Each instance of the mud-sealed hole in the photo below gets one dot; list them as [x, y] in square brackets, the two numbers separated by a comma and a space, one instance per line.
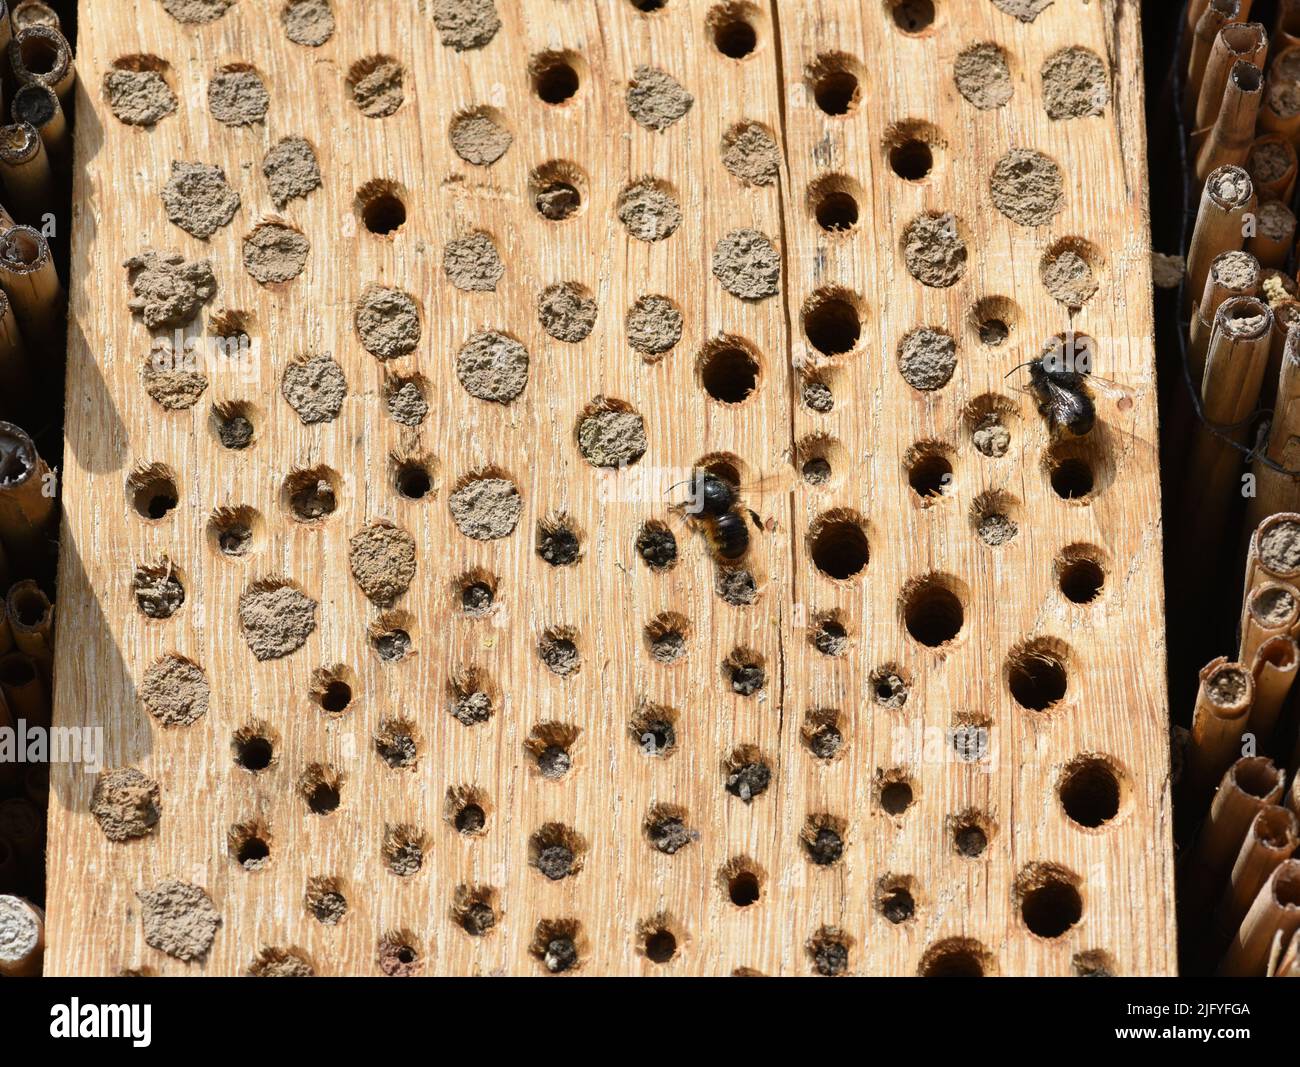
[253, 746]
[995, 517]
[890, 686]
[413, 477]
[397, 743]
[933, 607]
[159, 589]
[473, 696]
[1069, 270]
[232, 423]
[838, 545]
[832, 321]
[559, 945]
[552, 748]
[390, 636]
[321, 788]
[834, 201]
[1093, 790]
[398, 954]
[1093, 963]
[1037, 673]
[475, 592]
[895, 791]
[994, 320]
[249, 844]
[956, 957]
[741, 880]
[557, 851]
[381, 206]
[747, 773]
[829, 633]
[325, 900]
[1080, 573]
[275, 962]
[559, 650]
[667, 828]
[376, 85]
[829, 951]
[895, 898]
[403, 848]
[556, 76]
[666, 636]
[557, 190]
[745, 671]
[929, 470]
[734, 28]
[310, 495]
[970, 832]
[822, 733]
[331, 688]
[1049, 899]
[559, 540]
[152, 491]
[835, 81]
[990, 419]
[475, 909]
[729, 369]
[818, 458]
[654, 729]
[232, 530]
[656, 544]
[660, 938]
[823, 838]
[467, 809]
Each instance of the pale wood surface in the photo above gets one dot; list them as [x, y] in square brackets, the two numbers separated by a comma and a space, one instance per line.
[1116, 701]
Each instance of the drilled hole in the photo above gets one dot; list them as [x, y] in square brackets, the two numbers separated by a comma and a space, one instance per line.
[839, 546]
[1036, 675]
[557, 190]
[1050, 904]
[153, 493]
[253, 750]
[958, 958]
[896, 796]
[835, 85]
[832, 324]
[742, 889]
[912, 16]
[383, 213]
[555, 79]
[311, 495]
[836, 211]
[911, 159]
[321, 788]
[1080, 577]
[930, 472]
[1091, 792]
[728, 372]
[894, 899]
[733, 33]
[1072, 477]
[660, 945]
[933, 611]
[413, 480]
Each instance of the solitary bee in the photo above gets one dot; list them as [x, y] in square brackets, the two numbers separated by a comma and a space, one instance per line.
[1059, 378]
[716, 507]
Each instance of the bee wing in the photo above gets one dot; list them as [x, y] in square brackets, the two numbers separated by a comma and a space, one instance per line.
[768, 484]
[1107, 387]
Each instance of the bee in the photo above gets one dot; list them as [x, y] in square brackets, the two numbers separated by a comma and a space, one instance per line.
[1060, 379]
[716, 508]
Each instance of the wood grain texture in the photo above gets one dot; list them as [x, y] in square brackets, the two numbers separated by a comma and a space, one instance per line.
[1115, 704]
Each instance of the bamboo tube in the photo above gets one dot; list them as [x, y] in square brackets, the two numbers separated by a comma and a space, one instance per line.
[1272, 166]
[36, 784]
[1233, 131]
[1280, 110]
[1274, 671]
[33, 13]
[1275, 285]
[31, 620]
[1234, 371]
[1274, 234]
[1271, 610]
[24, 690]
[1274, 491]
[1222, 710]
[37, 105]
[17, 385]
[26, 512]
[1234, 273]
[22, 937]
[1211, 18]
[1286, 317]
[1274, 551]
[1286, 28]
[1276, 908]
[1226, 200]
[42, 54]
[27, 274]
[1236, 42]
[25, 167]
[1271, 840]
[1288, 958]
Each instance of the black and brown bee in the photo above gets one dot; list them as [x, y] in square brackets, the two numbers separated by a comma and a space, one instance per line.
[716, 509]
[1060, 379]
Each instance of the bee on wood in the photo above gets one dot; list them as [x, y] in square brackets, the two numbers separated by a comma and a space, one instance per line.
[1060, 379]
[715, 508]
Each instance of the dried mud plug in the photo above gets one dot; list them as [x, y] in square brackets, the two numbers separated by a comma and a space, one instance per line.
[166, 290]
[179, 919]
[126, 803]
[276, 618]
[382, 558]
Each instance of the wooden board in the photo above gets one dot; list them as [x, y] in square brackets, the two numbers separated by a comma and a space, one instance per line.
[968, 911]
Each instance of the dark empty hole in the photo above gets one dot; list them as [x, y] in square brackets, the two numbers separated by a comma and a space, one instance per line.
[557, 199]
[336, 696]
[234, 538]
[1081, 580]
[930, 474]
[896, 797]
[897, 905]
[743, 889]
[658, 738]
[993, 331]
[649, 5]
[470, 819]
[414, 481]
[911, 159]
[383, 213]
[17, 673]
[30, 608]
[934, 615]
[840, 549]
[39, 55]
[660, 946]
[955, 965]
[735, 37]
[1072, 478]
[1050, 910]
[971, 840]
[556, 82]
[324, 798]
[405, 954]
[729, 375]
[252, 852]
[836, 91]
[1036, 680]
[837, 211]
[833, 327]
[155, 499]
[913, 16]
[1090, 795]
[254, 753]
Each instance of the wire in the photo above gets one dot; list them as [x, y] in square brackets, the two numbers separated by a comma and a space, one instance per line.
[1220, 430]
